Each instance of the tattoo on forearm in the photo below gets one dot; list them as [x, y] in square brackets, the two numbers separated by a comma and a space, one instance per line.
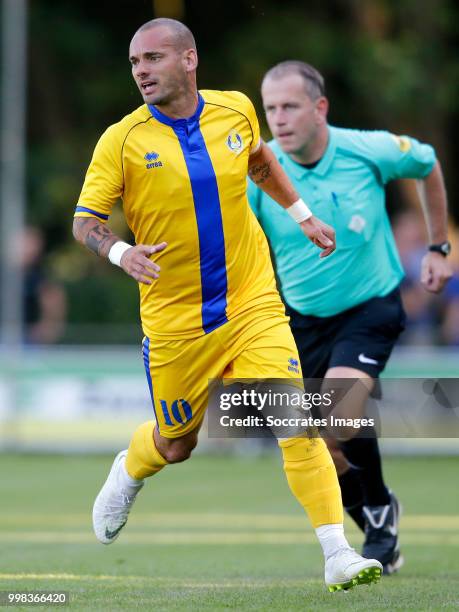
[95, 236]
[260, 174]
[98, 239]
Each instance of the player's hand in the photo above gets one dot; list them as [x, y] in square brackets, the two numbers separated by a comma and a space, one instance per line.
[137, 263]
[435, 271]
[320, 234]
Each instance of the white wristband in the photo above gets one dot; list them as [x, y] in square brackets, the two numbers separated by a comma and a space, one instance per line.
[116, 252]
[299, 211]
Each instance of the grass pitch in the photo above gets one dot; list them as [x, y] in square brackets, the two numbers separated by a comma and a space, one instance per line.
[212, 534]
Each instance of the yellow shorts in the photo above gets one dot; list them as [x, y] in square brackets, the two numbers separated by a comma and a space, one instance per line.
[257, 344]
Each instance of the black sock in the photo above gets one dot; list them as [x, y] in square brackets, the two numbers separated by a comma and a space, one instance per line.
[363, 453]
[352, 495]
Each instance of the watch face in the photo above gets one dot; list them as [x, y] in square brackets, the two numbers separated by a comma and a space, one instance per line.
[445, 248]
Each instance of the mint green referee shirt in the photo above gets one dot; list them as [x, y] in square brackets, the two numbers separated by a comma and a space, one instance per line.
[345, 190]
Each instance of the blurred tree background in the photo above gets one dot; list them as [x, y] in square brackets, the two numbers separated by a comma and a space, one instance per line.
[388, 64]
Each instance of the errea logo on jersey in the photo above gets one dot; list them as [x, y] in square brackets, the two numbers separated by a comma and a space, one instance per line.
[293, 365]
[235, 142]
[152, 159]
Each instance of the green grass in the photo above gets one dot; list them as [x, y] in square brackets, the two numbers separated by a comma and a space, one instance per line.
[212, 534]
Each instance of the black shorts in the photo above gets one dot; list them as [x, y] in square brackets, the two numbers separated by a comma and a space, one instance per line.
[361, 337]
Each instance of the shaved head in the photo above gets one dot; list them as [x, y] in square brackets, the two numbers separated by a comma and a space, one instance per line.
[163, 60]
[182, 38]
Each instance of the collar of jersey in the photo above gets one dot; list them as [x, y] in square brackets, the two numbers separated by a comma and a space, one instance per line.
[181, 121]
[322, 167]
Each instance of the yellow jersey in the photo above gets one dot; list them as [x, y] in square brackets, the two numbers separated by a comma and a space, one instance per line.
[183, 181]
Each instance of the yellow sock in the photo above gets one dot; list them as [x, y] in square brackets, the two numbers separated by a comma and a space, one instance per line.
[143, 458]
[312, 478]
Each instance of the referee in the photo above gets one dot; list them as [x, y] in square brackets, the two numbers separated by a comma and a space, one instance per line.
[345, 311]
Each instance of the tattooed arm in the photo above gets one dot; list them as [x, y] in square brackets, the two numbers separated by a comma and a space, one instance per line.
[136, 262]
[94, 235]
[266, 172]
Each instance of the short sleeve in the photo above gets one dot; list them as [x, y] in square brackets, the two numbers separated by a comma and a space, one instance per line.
[397, 156]
[254, 196]
[252, 118]
[104, 182]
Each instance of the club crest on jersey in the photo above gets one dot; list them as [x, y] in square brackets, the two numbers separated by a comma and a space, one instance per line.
[152, 159]
[234, 142]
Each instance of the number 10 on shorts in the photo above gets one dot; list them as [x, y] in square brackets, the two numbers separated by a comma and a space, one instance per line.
[180, 411]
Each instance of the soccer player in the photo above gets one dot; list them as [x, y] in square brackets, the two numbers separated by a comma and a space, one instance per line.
[180, 163]
[345, 311]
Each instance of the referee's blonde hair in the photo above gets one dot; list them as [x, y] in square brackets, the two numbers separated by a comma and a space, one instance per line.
[314, 81]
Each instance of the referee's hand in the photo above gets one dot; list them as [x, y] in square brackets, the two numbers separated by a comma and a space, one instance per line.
[435, 272]
[320, 234]
[137, 263]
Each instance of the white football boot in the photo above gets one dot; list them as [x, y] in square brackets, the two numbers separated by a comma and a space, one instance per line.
[114, 502]
[347, 569]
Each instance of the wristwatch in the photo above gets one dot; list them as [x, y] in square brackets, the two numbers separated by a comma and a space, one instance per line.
[444, 248]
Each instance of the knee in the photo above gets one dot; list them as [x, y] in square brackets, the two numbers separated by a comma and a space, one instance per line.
[340, 461]
[179, 451]
[177, 454]
[346, 434]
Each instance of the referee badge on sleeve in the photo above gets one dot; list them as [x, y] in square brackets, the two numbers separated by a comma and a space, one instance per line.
[403, 143]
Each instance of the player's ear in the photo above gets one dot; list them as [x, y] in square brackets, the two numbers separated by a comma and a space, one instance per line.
[321, 110]
[190, 60]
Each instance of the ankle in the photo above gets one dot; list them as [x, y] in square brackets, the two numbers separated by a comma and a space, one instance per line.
[332, 539]
[130, 484]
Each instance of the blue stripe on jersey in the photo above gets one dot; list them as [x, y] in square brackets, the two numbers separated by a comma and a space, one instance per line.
[93, 212]
[214, 283]
[146, 362]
